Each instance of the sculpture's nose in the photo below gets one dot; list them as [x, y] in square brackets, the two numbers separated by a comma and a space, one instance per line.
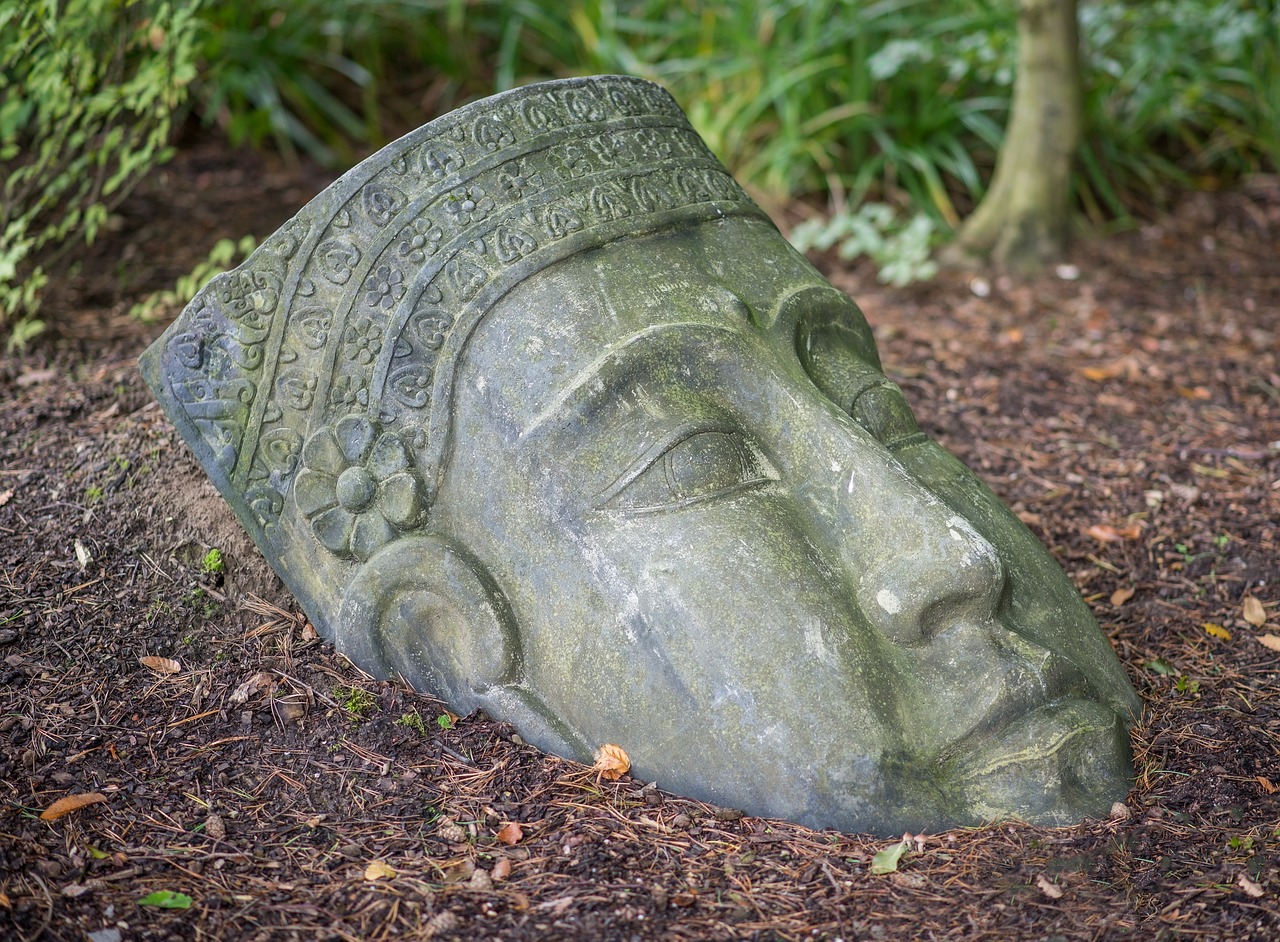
[939, 573]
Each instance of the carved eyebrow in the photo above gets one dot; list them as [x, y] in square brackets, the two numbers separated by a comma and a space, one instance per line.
[639, 348]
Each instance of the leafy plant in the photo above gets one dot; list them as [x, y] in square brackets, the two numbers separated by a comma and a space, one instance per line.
[166, 899]
[413, 720]
[354, 700]
[88, 94]
[213, 564]
[900, 250]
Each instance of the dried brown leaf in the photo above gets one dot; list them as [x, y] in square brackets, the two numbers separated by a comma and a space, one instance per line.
[379, 870]
[251, 686]
[1253, 612]
[1249, 886]
[161, 665]
[611, 762]
[1048, 888]
[1120, 596]
[501, 869]
[1266, 785]
[510, 834]
[1270, 641]
[69, 803]
[457, 871]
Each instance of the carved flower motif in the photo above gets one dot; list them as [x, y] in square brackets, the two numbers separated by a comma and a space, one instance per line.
[424, 241]
[349, 391]
[384, 287]
[362, 340]
[468, 204]
[520, 179]
[358, 488]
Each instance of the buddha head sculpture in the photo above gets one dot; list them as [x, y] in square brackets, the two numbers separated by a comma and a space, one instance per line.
[536, 410]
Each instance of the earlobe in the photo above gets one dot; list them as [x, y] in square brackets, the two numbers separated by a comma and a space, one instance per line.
[424, 609]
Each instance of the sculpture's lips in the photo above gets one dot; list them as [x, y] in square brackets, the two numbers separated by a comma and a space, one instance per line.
[1062, 761]
[1027, 686]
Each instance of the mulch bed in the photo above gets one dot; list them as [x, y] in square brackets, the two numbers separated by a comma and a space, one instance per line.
[1128, 408]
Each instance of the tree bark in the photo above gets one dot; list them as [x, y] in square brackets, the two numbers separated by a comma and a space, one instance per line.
[1024, 219]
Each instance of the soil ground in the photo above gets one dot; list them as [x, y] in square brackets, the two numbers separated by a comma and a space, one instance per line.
[1129, 412]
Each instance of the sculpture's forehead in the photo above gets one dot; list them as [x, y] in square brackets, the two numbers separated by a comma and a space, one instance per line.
[692, 291]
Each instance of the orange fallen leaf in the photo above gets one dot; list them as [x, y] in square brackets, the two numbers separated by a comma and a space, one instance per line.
[1270, 641]
[1108, 534]
[1193, 392]
[1266, 785]
[69, 803]
[685, 898]
[611, 762]
[161, 665]
[1216, 631]
[501, 869]
[1120, 596]
[510, 834]
[1253, 612]
[1097, 373]
[379, 870]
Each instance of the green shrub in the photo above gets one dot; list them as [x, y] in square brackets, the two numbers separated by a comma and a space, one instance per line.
[90, 90]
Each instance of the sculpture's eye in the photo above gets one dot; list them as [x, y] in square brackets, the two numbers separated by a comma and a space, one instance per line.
[693, 466]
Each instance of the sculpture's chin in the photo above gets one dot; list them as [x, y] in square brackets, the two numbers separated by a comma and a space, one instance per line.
[1064, 761]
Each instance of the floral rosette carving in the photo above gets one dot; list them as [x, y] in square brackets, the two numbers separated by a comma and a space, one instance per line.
[358, 488]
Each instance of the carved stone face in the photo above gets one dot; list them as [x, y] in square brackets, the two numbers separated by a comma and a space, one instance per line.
[535, 410]
[726, 547]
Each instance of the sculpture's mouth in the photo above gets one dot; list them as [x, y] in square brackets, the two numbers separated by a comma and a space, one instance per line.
[1036, 679]
[1059, 762]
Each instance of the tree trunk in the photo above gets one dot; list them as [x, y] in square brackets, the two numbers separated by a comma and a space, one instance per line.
[1024, 219]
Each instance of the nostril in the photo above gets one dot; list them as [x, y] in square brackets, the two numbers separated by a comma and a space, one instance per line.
[952, 579]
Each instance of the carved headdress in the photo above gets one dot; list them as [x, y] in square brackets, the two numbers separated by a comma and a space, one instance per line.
[314, 381]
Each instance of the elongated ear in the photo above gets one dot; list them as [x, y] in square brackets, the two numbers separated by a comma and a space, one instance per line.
[837, 350]
[425, 610]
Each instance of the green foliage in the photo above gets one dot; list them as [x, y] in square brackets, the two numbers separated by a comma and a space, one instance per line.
[901, 102]
[355, 701]
[213, 564]
[89, 91]
[899, 249]
[413, 720]
[1179, 93]
[166, 899]
[224, 255]
[886, 860]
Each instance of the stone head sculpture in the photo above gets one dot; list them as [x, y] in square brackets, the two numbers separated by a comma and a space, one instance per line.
[538, 411]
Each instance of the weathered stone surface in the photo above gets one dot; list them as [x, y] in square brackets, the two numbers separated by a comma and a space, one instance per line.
[537, 410]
